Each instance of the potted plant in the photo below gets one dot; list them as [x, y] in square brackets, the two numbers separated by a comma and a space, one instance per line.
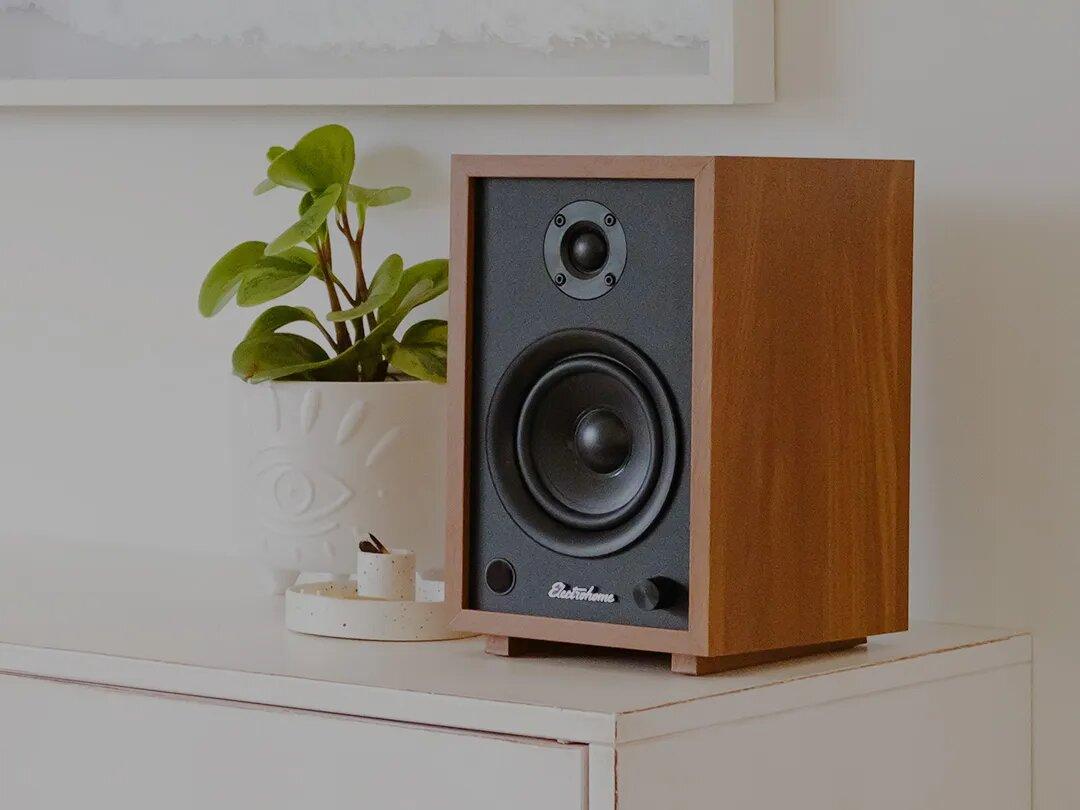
[338, 436]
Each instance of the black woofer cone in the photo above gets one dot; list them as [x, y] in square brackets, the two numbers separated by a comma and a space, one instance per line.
[602, 441]
[558, 462]
[581, 442]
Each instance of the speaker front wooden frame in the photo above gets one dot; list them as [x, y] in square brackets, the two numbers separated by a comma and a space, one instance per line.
[863, 212]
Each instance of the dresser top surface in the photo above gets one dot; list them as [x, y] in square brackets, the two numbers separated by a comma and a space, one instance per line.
[198, 625]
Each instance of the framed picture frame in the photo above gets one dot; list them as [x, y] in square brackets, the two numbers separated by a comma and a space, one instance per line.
[49, 61]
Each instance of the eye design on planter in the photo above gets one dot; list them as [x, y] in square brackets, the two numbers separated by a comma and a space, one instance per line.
[295, 499]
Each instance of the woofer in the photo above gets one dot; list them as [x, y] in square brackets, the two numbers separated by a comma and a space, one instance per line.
[582, 442]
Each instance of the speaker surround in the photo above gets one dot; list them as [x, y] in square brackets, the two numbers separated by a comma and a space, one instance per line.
[703, 454]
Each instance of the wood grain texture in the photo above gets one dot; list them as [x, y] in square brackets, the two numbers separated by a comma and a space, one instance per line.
[619, 167]
[811, 374]
[710, 665]
[704, 602]
[507, 646]
[459, 390]
[543, 628]
[800, 401]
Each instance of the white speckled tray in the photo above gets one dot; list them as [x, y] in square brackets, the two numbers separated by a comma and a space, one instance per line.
[334, 609]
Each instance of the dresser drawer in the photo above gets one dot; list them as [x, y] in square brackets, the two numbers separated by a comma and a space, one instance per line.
[76, 745]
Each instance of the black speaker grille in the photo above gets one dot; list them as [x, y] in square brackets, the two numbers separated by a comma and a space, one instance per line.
[516, 304]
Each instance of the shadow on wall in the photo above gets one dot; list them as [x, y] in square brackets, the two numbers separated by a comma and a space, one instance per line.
[387, 164]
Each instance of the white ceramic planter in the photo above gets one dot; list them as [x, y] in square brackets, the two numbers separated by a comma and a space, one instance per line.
[319, 465]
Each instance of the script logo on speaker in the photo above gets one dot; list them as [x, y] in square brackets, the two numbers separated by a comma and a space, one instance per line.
[560, 590]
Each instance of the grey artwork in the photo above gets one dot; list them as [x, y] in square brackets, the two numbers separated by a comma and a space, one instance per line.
[334, 38]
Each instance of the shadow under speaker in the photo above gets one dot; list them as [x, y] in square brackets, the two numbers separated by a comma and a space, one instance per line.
[679, 403]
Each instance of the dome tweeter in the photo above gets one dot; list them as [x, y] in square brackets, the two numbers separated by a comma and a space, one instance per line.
[585, 250]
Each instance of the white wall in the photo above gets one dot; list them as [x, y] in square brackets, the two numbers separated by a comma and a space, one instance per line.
[113, 391]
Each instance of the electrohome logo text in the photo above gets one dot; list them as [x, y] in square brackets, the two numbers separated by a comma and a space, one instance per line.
[560, 590]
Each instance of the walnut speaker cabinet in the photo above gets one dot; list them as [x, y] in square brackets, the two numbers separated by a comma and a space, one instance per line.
[679, 403]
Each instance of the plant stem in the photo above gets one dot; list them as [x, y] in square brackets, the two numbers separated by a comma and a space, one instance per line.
[358, 257]
[345, 291]
[372, 322]
[327, 335]
[326, 261]
[358, 261]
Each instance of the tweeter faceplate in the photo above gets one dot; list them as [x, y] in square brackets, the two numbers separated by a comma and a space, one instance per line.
[585, 250]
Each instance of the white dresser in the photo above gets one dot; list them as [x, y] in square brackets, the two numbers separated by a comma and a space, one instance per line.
[133, 679]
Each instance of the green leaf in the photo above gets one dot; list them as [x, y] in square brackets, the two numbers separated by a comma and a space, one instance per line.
[275, 355]
[301, 254]
[436, 271]
[343, 368]
[422, 351]
[312, 218]
[386, 327]
[320, 235]
[276, 317]
[271, 278]
[380, 340]
[383, 285]
[224, 277]
[375, 197]
[432, 332]
[322, 158]
[267, 357]
[264, 186]
[420, 363]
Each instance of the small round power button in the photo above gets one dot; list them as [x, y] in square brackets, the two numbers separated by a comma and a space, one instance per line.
[500, 576]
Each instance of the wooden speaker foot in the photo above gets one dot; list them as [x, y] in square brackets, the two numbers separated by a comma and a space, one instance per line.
[506, 646]
[704, 665]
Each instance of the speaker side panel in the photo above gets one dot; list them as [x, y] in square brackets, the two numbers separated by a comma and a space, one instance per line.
[811, 382]
[514, 304]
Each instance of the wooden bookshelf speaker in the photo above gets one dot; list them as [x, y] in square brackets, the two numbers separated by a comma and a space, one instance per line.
[679, 403]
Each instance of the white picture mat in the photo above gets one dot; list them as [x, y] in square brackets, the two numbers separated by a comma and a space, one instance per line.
[46, 62]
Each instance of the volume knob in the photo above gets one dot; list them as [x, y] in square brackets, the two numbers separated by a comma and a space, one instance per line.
[656, 593]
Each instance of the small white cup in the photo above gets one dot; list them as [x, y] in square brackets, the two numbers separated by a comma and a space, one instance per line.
[386, 576]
